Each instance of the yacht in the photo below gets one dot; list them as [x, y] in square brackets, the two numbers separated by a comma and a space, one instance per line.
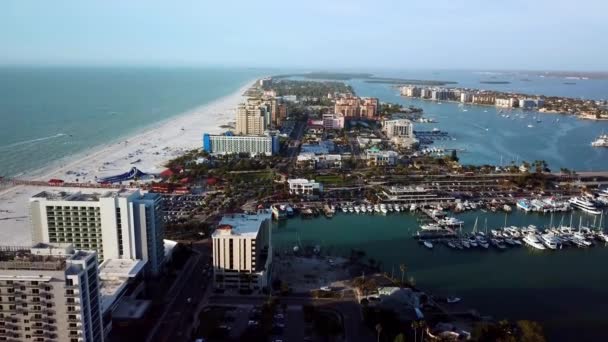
[524, 205]
[377, 208]
[584, 205]
[363, 209]
[370, 209]
[601, 141]
[482, 242]
[550, 240]
[357, 209]
[344, 209]
[413, 207]
[428, 244]
[451, 221]
[383, 209]
[532, 241]
[397, 208]
[431, 227]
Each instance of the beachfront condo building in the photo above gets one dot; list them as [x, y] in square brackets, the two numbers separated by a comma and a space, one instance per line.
[250, 144]
[400, 132]
[49, 292]
[118, 224]
[253, 117]
[242, 251]
[356, 107]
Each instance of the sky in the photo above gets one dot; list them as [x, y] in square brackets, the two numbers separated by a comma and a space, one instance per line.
[336, 34]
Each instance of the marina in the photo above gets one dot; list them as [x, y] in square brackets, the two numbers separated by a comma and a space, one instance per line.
[509, 276]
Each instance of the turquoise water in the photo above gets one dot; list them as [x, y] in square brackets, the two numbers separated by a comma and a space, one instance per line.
[564, 289]
[50, 113]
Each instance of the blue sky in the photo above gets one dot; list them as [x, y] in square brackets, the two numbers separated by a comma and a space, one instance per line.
[411, 34]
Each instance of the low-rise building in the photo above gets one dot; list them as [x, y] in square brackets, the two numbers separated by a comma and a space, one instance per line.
[333, 121]
[234, 144]
[301, 186]
[242, 251]
[319, 161]
[377, 157]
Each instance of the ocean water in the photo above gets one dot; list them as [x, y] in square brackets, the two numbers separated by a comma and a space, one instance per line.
[564, 289]
[50, 113]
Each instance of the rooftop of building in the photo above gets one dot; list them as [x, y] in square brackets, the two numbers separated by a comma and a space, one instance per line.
[301, 181]
[114, 276]
[247, 225]
[47, 257]
[82, 196]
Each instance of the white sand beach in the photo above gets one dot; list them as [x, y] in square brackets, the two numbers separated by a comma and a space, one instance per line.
[148, 150]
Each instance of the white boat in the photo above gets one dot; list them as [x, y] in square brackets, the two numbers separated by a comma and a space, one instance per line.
[363, 209]
[383, 209]
[428, 244]
[451, 221]
[376, 208]
[601, 141]
[357, 209]
[397, 208]
[351, 210]
[532, 241]
[584, 205]
[389, 207]
[550, 240]
[452, 300]
[344, 209]
[431, 227]
[451, 244]
[413, 207]
[370, 209]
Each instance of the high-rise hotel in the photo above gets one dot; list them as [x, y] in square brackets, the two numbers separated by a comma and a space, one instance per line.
[242, 252]
[122, 224]
[49, 293]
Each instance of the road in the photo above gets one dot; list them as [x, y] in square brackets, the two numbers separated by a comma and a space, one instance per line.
[176, 324]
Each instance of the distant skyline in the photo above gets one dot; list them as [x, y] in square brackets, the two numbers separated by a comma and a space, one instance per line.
[315, 34]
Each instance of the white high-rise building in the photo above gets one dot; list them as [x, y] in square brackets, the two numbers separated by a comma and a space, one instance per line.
[49, 293]
[400, 131]
[242, 251]
[121, 224]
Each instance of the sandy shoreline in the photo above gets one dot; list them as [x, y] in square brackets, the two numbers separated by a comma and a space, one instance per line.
[147, 149]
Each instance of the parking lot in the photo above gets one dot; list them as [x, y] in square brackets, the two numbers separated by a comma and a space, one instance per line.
[255, 323]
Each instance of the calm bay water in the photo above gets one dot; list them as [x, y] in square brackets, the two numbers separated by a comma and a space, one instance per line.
[50, 113]
[489, 138]
[564, 289]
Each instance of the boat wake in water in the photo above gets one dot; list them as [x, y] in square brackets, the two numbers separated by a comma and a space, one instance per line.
[26, 142]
